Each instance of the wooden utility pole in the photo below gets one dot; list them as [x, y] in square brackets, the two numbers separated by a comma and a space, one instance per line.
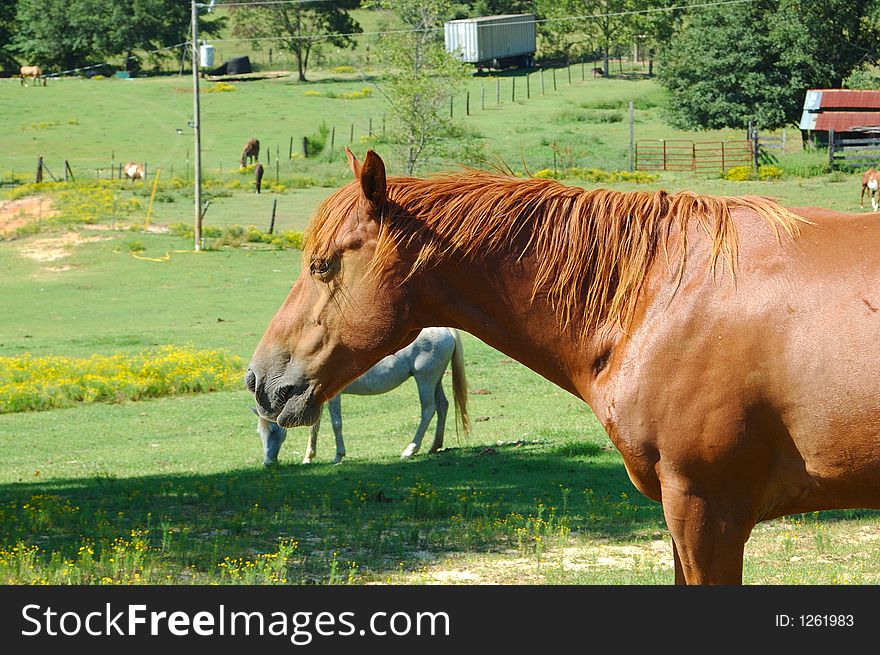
[197, 191]
[632, 122]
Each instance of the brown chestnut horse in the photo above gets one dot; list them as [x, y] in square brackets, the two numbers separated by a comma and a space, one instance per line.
[728, 346]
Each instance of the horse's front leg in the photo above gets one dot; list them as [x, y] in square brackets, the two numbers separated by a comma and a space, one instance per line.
[334, 405]
[709, 534]
[426, 398]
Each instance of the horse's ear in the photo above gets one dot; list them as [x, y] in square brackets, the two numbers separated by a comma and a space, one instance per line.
[373, 178]
[353, 163]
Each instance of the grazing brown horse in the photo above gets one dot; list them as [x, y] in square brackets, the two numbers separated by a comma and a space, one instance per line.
[258, 177]
[31, 71]
[871, 183]
[728, 345]
[251, 151]
[598, 72]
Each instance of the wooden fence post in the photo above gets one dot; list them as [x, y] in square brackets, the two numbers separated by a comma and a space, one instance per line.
[528, 90]
[272, 221]
[467, 104]
[632, 136]
[497, 90]
[290, 149]
[831, 149]
[513, 90]
[39, 176]
[756, 147]
[332, 138]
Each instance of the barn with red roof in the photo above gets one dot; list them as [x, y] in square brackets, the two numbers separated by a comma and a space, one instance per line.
[849, 112]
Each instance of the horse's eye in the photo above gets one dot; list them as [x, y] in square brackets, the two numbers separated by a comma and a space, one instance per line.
[320, 267]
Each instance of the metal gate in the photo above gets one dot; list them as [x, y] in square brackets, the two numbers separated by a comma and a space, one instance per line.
[696, 156]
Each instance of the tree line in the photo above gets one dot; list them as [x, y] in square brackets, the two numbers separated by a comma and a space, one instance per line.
[724, 63]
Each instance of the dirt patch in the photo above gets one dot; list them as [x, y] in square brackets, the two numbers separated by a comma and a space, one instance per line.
[17, 213]
[589, 556]
[50, 250]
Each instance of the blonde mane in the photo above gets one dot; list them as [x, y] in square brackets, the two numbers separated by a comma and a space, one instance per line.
[592, 248]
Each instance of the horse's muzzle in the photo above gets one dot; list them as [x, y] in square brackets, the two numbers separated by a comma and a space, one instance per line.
[289, 404]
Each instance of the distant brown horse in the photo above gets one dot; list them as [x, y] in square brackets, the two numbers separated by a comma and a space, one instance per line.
[727, 345]
[258, 176]
[34, 72]
[870, 183]
[251, 151]
[133, 171]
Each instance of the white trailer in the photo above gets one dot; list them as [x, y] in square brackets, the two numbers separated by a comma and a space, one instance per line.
[493, 41]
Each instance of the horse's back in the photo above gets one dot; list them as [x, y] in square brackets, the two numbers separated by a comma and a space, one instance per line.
[427, 356]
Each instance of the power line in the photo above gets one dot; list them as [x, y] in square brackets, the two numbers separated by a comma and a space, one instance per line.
[321, 37]
[270, 2]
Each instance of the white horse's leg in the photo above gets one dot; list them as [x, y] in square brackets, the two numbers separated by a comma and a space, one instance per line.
[426, 398]
[312, 445]
[874, 202]
[442, 409]
[335, 407]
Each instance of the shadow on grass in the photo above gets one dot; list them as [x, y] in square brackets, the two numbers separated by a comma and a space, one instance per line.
[380, 517]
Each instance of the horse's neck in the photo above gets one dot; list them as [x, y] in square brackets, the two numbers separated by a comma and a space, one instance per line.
[492, 300]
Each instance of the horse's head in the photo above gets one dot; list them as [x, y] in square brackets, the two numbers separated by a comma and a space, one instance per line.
[272, 435]
[346, 310]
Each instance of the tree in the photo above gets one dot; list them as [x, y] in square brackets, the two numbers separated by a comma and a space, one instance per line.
[422, 76]
[729, 65]
[69, 34]
[133, 25]
[57, 33]
[495, 7]
[302, 25]
[583, 26]
[7, 29]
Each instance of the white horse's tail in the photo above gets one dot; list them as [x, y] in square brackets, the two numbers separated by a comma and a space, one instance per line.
[459, 385]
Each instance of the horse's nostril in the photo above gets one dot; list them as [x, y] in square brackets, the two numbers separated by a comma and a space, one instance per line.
[250, 379]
